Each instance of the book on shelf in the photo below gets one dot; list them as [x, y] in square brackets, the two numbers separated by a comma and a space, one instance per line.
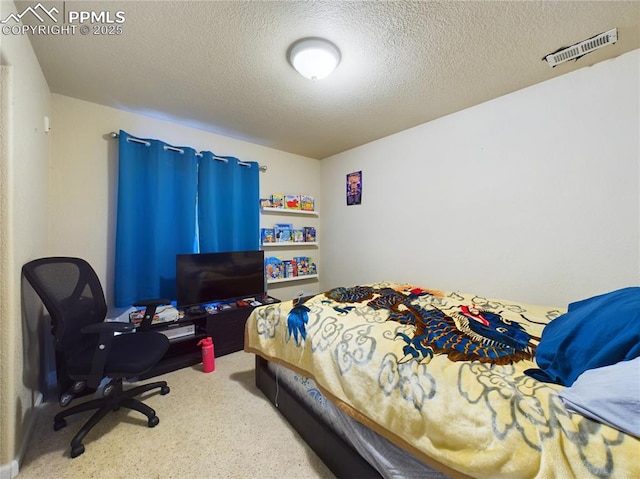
[297, 236]
[302, 265]
[277, 200]
[292, 202]
[282, 232]
[309, 234]
[289, 267]
[278, 268]
[267, 235]
[307, 203]
[289, 202]
[273, 267]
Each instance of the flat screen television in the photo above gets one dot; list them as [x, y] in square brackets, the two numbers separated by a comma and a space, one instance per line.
[203, 278]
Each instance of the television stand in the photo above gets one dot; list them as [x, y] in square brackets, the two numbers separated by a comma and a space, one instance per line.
[225, 327]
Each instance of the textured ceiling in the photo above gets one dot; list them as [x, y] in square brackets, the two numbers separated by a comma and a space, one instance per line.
[222, 67]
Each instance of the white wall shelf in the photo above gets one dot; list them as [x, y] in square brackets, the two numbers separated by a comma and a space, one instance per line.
[294, 244]
[292, 278]
[286, 211]
[303, 247]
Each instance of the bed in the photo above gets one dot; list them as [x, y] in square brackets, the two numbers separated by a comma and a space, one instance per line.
[394, 380]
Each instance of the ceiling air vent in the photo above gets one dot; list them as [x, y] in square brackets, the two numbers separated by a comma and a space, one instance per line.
[576, 51]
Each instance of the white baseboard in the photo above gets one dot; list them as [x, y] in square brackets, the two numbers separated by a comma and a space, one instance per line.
[10, 471]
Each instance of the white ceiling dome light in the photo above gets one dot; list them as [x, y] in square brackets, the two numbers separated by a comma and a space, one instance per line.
[314, 58]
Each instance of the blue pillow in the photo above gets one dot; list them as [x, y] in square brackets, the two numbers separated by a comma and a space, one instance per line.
[595, 332]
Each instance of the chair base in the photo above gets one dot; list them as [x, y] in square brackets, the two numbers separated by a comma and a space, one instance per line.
[115, 399]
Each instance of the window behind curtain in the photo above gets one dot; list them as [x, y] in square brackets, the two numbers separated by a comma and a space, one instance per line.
[166, 206]
[228, 204]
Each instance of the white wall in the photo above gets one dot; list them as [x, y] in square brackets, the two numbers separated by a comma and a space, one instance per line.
[24, 176]
[534, 196]
[84, 177]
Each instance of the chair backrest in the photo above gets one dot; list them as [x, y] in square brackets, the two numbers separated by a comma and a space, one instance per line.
[70, 290]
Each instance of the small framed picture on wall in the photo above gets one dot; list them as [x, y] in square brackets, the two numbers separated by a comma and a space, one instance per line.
[354, 188]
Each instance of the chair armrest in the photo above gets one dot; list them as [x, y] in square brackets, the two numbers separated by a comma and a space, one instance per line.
[105, 332]
[150, 306]
[107, 327]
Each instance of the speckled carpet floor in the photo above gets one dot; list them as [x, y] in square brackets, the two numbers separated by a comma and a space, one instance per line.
[216, 425]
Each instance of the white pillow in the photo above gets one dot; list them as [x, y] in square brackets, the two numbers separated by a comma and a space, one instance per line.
[610, 395]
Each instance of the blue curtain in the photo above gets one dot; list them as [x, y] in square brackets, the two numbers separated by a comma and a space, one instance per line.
[157, 193]
[228, 204]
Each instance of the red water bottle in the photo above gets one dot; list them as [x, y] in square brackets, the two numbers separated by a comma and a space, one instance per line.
[208, 358]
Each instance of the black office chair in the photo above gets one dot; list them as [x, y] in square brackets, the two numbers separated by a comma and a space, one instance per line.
[89, 347]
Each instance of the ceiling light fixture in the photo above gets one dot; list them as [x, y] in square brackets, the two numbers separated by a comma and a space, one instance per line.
[314, 58]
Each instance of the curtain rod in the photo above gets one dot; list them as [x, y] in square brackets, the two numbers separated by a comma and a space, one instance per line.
[173, 148]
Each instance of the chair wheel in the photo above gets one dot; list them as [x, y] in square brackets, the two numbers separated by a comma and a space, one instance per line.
[59, 424]
[164, 390]
[108, 389]
[76, 451]
[154, 421]
[78, 386]
[65, 399]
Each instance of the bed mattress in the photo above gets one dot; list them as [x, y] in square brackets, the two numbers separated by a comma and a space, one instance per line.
[388, 459]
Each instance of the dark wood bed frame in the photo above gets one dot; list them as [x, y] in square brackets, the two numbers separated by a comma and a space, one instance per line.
[339, 456]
